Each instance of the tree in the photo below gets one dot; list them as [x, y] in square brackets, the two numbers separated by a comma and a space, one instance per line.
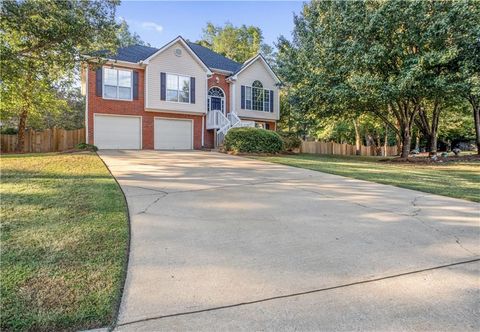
[126, 37]
[72, 112]
[236, 43]
[390, 59]
[41, 42]
[469, 62]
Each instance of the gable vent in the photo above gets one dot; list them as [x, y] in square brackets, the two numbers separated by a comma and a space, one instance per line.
[178, 52]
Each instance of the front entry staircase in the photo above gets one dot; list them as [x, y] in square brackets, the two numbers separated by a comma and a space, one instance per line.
[222, 124]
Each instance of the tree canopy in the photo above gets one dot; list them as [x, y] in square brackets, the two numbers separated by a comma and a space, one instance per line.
[127, 37]
[399, 61]
[236, 43]
[43, 42]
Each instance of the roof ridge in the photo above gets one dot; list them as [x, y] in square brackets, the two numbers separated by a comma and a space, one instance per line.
[189, 42]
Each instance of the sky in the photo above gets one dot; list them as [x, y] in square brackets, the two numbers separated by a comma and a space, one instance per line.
[158, 22]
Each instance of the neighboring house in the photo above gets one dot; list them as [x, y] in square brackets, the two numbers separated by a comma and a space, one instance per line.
[181, 96]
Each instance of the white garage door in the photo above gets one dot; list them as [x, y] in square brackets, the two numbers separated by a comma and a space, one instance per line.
[173, 134]
[117, 132]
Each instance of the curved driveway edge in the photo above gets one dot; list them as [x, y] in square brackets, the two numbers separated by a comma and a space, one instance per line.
[211, 230]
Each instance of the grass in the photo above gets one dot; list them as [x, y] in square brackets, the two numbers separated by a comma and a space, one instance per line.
[64, 234]
[454, 179]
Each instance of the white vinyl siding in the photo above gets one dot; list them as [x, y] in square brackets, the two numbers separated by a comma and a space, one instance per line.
[173, 134]
[117, 132]
[256, 71]
[184, 66]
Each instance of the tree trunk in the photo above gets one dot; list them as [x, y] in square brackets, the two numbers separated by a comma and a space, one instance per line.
[406, 142]
[417, 141]
[21, 131]
[378, 144]
[358, 141]
[476, 116]
[433, 142]
[430, 129]
[398, 138]
[385, 143]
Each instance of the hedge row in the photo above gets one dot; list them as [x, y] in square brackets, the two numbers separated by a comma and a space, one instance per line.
[254, 140]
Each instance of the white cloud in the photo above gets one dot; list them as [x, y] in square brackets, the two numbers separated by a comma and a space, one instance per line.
[152, 26]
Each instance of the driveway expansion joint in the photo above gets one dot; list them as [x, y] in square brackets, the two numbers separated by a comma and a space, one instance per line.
[279, 297]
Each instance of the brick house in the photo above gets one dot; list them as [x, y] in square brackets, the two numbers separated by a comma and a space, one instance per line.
[181, 96]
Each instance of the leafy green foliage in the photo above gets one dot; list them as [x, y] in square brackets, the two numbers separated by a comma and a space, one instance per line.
[390, 59]
[43, 42]
[254, 140]
[291, 141]
[85, 146]
[236, 43]
[127, 37]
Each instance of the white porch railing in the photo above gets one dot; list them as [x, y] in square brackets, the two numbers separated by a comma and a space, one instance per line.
[217, 120]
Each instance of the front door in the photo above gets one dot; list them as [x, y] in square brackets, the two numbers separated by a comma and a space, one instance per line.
[216, 104]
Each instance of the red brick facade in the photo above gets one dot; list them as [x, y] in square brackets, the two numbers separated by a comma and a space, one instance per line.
[135, 107]
[217, 80]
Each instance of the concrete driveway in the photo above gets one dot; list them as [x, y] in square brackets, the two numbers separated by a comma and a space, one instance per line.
[227, 243]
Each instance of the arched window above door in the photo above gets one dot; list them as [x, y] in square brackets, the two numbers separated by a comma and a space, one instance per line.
[216, 92]
[216, 99]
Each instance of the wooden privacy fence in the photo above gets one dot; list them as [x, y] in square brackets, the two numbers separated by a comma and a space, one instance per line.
[49, 140]
[346, 149]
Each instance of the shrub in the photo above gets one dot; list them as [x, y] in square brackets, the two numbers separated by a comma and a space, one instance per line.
[253, 140]
[291, 141]
[9, 131]
[85, 146]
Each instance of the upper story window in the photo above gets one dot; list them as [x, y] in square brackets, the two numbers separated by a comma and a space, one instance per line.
[257, 98]
[178, 88]
[117, 84]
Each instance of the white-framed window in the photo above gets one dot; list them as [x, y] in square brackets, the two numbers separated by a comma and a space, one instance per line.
[257, 98]
[248, 97]
[117, 84]
[266, 100]
[178, 88]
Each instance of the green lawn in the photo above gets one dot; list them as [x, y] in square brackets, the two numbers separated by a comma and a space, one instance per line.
[454, 179]
[64, 234]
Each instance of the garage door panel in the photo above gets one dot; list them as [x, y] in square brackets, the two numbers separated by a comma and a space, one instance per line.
[117, 132]
[173, 134]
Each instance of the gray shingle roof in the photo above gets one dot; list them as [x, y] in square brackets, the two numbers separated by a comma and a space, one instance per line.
[136, 53]
[213, 59]
[132, 53]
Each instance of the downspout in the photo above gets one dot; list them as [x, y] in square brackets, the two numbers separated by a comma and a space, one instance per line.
[203, 131]
[205, 114]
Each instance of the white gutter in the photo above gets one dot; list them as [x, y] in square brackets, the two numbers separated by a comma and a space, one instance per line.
[221, 71]
[120, 62]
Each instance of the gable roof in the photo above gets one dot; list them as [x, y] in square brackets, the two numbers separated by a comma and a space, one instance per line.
[247, 63]
[209, 58]
[213, 59]
[137, 53]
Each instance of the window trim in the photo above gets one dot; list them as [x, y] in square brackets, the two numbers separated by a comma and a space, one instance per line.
[222, 99]
[250, 100]
[103, 83]
[189, 88]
